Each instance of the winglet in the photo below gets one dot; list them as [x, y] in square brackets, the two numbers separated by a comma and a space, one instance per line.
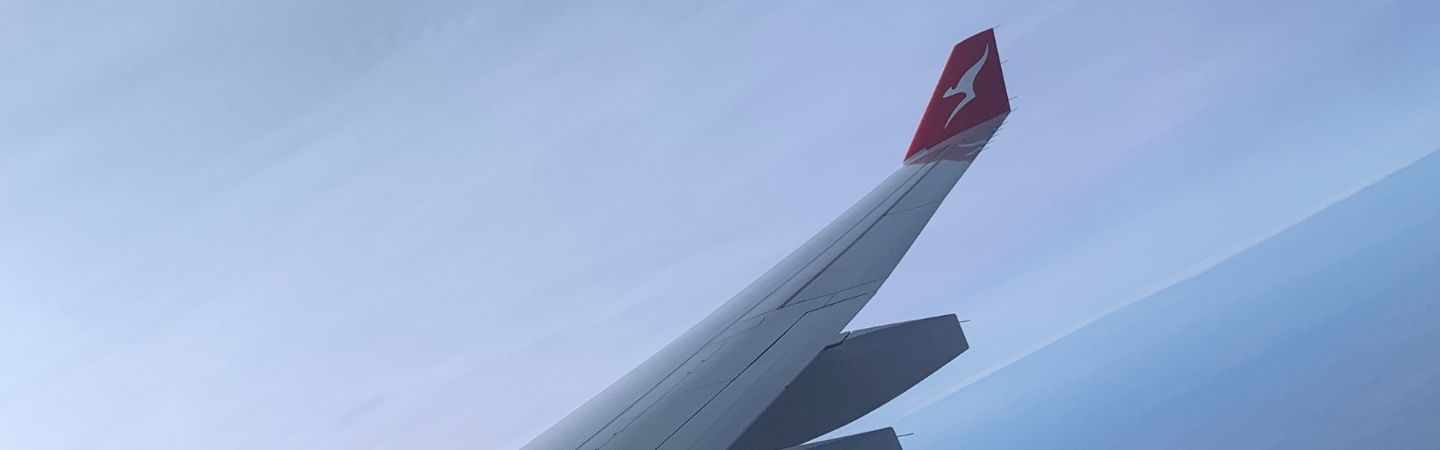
[971, 91]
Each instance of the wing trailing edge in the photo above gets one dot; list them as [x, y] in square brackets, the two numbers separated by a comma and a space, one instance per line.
[881, 439]
[847, 380]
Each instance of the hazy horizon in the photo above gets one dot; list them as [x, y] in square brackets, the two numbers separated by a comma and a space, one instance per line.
[1319, 337]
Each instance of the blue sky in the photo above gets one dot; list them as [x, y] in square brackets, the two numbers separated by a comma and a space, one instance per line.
[444, 224]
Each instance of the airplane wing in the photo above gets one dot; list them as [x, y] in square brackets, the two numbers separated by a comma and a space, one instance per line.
[771, 368]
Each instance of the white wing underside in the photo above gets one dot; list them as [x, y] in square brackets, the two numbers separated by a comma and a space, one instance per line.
[706, 388]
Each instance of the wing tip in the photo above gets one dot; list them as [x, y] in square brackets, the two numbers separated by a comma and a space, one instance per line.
[971, 91]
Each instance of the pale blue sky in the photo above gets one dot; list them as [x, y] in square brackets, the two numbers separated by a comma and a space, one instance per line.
[444, 224]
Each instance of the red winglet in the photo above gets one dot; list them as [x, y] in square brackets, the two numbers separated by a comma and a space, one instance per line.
[971, 91]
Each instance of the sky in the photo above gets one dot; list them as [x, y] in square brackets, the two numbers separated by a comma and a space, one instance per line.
[445, 224]
[1321, 337]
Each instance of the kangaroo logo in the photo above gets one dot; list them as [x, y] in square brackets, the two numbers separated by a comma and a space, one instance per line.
[966, 85]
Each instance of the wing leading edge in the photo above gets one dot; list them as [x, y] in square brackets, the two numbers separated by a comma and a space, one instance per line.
[748, 375]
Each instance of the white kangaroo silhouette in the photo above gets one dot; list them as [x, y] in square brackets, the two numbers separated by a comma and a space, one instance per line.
[966, 85]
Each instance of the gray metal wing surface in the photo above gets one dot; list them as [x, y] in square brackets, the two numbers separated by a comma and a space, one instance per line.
[771, 368]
